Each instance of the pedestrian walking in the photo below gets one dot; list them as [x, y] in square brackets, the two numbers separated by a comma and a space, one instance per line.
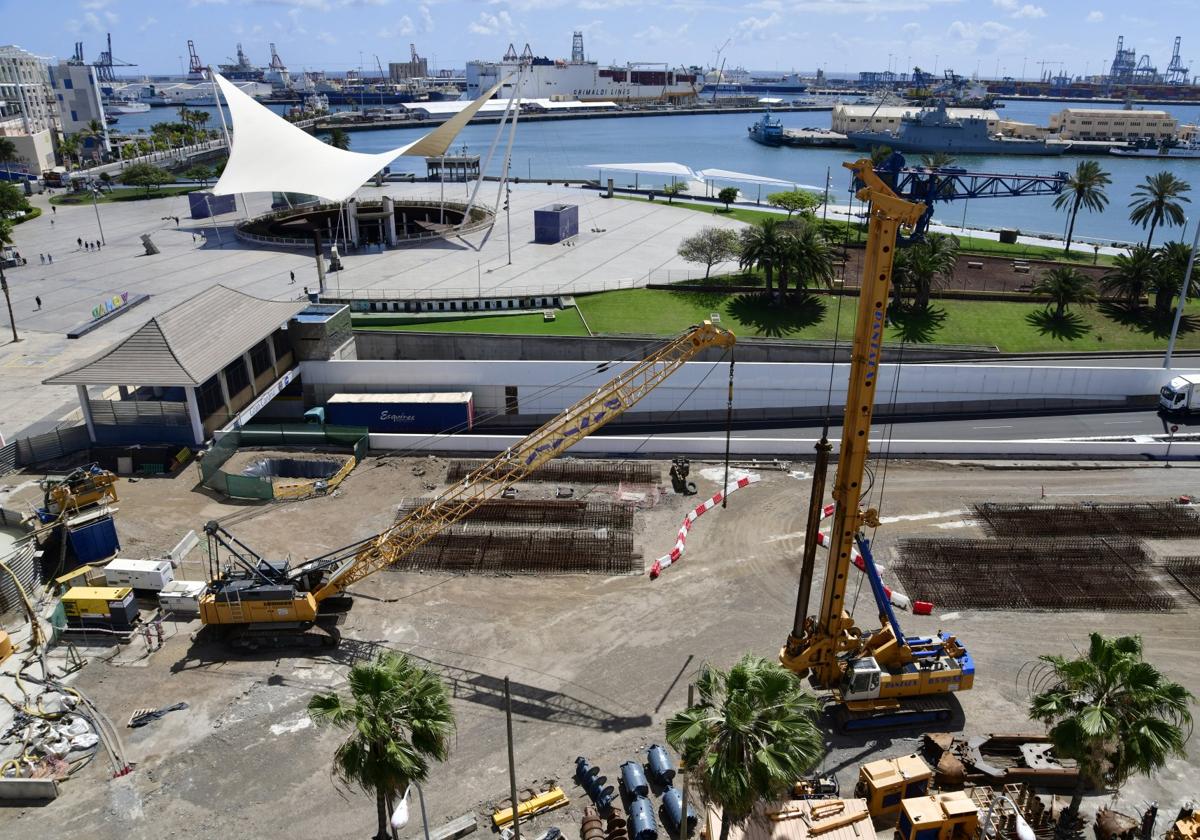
[42, 259]
[292, 274]
[54, 209]
[79, 240]
[52, 222]
[50, 259]
[38, 298]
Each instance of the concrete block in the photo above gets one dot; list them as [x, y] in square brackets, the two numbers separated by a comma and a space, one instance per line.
[28, 790]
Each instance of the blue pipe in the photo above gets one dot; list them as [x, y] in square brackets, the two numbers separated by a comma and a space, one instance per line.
[881, 600]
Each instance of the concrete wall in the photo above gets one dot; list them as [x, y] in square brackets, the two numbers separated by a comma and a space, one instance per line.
[762, 390]
[403, 344]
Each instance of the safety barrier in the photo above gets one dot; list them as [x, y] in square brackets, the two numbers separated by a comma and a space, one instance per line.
[256, 487]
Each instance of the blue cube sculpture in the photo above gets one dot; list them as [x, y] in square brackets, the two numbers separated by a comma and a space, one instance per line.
[555, 223]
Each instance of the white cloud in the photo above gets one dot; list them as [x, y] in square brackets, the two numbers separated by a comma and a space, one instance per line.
[489, 24]
[911, 30]
[319, 5]
[426, 18]
[364, 2]
[657, 35]
[861, 7]
[326, 38]
[1017, 9]
[147, 23]
[756, 28]
[404, 26]
[985, 38]
[1095, 17]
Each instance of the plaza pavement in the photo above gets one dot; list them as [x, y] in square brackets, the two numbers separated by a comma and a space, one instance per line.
[621, 243]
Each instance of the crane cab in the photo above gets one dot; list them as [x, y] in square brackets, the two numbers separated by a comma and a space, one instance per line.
[862, 681]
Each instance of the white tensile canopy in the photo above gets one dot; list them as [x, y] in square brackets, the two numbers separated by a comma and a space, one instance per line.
[747, 178]
[677, 170]
[269, 154]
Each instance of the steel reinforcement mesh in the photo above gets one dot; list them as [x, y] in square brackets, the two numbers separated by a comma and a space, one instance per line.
[1113, 575]
[1146, 520]
[1186, 571]
[564, 513]
[574, 471]
[474, 549]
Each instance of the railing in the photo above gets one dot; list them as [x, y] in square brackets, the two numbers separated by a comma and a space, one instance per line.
[436, 293]
[138, 413]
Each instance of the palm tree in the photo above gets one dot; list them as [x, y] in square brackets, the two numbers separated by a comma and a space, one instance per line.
[1112, 712]
[920, 266]
[1157, 201]
[339, 138]
[69, 146]
[937, 160]
[399, 716]
[1173, 260]
[807, 255]
[762, 247]
[1065, 286]
[1132, 274]
[752, 734]
[1084, 189]
[8, 152]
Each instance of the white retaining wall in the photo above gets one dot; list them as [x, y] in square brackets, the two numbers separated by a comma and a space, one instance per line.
[703, 385]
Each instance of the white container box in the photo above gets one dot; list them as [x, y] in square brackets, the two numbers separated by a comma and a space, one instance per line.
[181, 597]
[147, 575]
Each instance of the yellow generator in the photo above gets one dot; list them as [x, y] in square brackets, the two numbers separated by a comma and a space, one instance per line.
[942, 816]
[889, 781]
[106, 607]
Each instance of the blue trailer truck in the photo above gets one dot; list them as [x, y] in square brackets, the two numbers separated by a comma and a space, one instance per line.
[403, 413]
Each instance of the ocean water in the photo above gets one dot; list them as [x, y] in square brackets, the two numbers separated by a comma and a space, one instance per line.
[558, 150]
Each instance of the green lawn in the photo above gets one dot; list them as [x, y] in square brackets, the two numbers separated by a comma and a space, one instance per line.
[567, 322]
[660, 312]
[130, 194]
[967, 244]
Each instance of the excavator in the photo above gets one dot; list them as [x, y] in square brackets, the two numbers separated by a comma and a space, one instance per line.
[877, 678]
[261, 602]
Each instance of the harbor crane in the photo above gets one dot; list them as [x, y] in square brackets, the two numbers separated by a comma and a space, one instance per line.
[265, 602]
[877, 677]
[105, 64]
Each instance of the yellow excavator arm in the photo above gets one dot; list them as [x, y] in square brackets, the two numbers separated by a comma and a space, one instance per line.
[519, 461]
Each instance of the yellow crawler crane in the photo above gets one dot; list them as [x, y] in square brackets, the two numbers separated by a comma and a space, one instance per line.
[881, 677]
[269, 602]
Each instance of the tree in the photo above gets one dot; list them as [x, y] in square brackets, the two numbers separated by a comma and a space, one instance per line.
[399, 717]
[807, 256]
[879, 155]
[200, 173]
[794, 201]
[727, 195]
[1112, 712]
[673, 189]
[1065, 286]
[145, 175]
[6, 230]
[1085, 188]
[710, 246]
[919, 267]
[750, 736]
[8, 150]
[762, 247]
[1157, 201]
[12, 201]
[937, 160]
[1132, 274]
[69, 146]
[1173, 262]
[339, 138]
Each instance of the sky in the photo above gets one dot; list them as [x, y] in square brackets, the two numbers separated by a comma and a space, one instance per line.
[991, 37]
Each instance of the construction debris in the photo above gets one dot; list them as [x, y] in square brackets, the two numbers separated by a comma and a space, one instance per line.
[572, 471]
[997, 759]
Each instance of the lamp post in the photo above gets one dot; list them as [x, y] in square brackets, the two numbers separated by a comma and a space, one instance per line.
[4, 287]
[96, 207]
[1183, 295]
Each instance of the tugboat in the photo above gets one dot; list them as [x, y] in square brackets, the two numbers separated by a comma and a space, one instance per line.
[768, 131]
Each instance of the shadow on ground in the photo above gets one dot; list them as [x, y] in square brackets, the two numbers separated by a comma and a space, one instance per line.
[777, 319]
[1147, 320]
[917, 325]
[1066, 327]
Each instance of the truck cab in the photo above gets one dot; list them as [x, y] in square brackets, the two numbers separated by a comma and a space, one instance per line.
[1180, 394]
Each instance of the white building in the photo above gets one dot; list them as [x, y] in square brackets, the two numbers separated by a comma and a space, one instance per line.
[848, 118]
[78, 98]
[27, 111]
[1113, 124]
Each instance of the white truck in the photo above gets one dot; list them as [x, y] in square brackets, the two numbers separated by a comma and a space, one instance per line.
[1181, 394]
[142, 575]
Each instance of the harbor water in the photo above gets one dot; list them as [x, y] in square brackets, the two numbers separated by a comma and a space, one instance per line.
[563, 149]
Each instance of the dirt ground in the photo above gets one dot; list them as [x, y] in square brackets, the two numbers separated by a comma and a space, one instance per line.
[597, 664]
[995, 274]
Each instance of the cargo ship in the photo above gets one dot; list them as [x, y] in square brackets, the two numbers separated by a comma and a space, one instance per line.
[537, 77]
[741, 81]
[932, 130]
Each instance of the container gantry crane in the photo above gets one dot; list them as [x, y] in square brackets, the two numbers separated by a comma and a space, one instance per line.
[258, 599]
[877, 677]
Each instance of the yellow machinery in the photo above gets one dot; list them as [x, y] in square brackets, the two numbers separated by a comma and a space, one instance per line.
[884, 783]
[108, 607]
[259, 598]
[941, 816]
[880, 677]
[81, 488]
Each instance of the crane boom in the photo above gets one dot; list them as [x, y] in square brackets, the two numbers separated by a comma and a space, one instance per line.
[267, 597]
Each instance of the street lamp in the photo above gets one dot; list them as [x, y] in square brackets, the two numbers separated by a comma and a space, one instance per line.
[96, 207]
[1183, 295]
[1024, 832]
[4, 288]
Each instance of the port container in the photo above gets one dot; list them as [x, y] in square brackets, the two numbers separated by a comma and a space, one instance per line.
[144, 575]
[403, 413]
[108, 607]
[181, 597]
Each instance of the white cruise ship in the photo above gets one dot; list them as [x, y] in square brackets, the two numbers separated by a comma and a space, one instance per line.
[587, 81]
